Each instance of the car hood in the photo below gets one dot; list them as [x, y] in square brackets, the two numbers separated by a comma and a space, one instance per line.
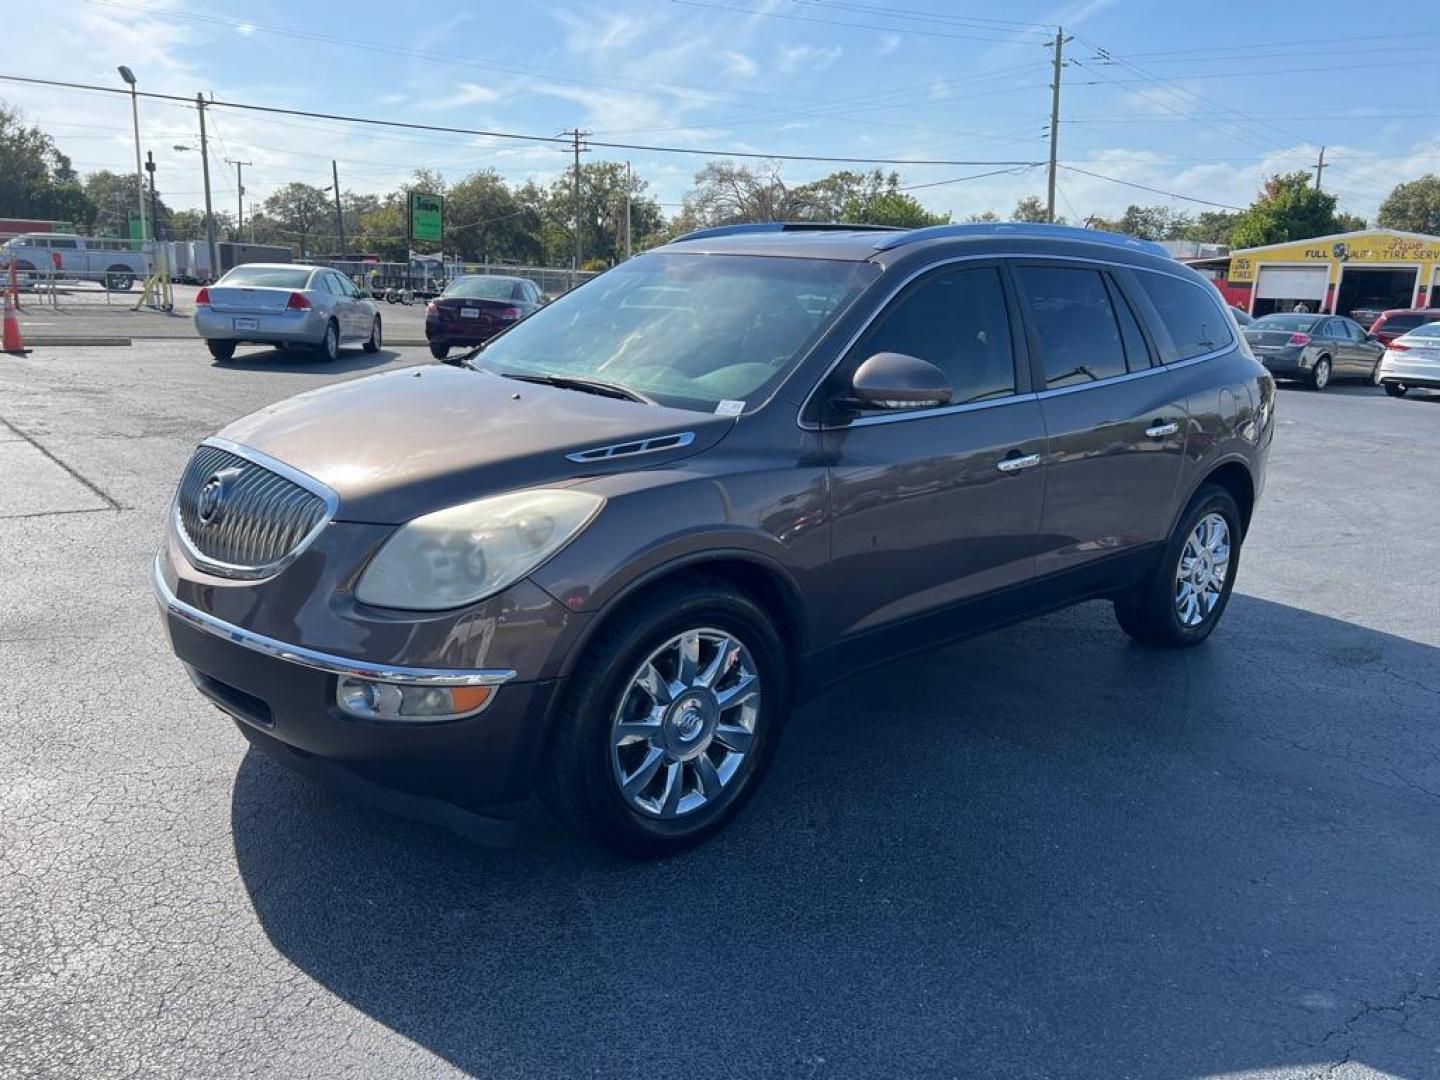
[402, 443]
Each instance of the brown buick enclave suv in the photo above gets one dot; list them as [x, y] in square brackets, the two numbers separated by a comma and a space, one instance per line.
[606, 555]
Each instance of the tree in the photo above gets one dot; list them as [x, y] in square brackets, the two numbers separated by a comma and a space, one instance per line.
[729, 194]
[1349, 223]
[896, 208]
[36, 179]
[1147, 223]
[113, 196]
[1030, 208]
[984, 217]
[1413, 206]
[1212, 227]
[300, 215]
[1287, 208]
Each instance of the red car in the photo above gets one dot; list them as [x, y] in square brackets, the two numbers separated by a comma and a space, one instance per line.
[475, 308]
[1391, 324]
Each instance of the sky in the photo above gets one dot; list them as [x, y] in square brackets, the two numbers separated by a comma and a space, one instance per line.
[1196, 100]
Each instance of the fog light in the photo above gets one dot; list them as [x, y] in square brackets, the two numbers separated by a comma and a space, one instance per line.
[392, 701]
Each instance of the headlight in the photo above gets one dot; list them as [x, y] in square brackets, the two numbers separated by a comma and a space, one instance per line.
[465, 553]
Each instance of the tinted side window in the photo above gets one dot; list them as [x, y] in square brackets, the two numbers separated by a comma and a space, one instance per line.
[1075, 323]
[1137, 353]
[956, 320]
[1355, 330]
[68, 245]
[1194, 320]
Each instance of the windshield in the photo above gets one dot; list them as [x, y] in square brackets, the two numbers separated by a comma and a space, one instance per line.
[482, 288]
[690, 331]
[1284, 322]
[273, 277]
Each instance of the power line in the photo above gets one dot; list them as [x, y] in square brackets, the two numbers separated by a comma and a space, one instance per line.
[548, 139]
[962, 179]
[1146, 187]
[838, 22]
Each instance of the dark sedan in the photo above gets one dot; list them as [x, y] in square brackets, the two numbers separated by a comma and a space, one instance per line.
[1313, 348]
[475, 308]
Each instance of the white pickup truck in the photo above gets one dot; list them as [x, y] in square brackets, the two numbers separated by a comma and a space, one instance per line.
[65, 257]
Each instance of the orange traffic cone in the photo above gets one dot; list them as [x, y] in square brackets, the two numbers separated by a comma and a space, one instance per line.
[13, 342]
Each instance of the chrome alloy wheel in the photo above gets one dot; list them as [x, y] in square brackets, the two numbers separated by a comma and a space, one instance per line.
[685, 723]
[1204, 567]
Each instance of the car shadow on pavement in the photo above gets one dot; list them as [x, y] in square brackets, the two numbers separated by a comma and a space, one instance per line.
[306, 362]
[1046, 851]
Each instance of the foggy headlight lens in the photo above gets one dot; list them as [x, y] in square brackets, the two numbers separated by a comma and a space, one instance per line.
[465, 553]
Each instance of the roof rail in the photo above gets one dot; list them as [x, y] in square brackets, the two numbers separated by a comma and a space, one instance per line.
[781, 226]
[1025, 229]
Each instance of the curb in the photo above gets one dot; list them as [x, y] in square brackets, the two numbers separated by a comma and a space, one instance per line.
[34, 340]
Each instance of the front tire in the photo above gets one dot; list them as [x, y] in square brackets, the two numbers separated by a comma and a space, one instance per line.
[1182, 599]
[1320, 374]
[373, 345]
[1396, 389]
[670, 721]
[439, 352]
[222, 350]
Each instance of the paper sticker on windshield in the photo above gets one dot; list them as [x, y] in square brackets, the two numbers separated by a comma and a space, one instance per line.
[729, 408]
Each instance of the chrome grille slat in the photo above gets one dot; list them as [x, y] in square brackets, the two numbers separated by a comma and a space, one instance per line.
[269, 512]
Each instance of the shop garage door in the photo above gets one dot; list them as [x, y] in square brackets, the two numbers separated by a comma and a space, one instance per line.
[1293, 283]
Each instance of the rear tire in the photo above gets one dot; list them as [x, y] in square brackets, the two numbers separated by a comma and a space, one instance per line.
[119, 279]
[329, 347]
[373, 345]
[222, 350]
[1320, 374]
[439, 352]
[1169, 609]
[1396, 389]
[698, 777]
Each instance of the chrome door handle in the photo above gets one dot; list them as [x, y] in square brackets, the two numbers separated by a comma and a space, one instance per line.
[1015, 464]
[1159, 431]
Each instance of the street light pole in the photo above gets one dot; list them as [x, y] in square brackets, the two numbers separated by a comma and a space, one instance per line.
[129, 77]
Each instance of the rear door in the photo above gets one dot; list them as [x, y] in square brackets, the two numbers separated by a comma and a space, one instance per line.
[1112, 414]
[933, 507]
[1366, 352]
[341, 303]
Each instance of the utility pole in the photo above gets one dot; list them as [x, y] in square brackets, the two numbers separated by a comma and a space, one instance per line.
[339, 217]
[209, 210]
[1319, 168]
[1059, 43]
[154, 217]
[576, 136]
[239, 196]
[627, 209]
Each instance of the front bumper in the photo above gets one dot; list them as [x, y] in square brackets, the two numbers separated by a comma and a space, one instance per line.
[273, 327]
[284, 695]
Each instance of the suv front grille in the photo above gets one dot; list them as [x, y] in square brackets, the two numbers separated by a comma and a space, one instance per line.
[237, 518]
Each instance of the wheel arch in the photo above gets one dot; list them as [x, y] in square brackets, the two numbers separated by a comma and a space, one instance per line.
[748, 572]
[1234, 476]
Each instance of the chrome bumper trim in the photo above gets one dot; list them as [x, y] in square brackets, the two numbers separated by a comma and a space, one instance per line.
[319, 661]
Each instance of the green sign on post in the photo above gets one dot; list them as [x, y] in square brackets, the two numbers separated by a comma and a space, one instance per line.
[426, 216]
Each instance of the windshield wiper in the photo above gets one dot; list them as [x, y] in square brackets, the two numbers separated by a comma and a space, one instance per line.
[588, 386]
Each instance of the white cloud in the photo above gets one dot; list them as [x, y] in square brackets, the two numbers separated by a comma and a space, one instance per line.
[888, 43]
[793, 58]
[465, 94]
[245, 29]
[739, 64]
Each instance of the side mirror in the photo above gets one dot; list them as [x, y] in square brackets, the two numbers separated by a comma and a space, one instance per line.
[895, 381]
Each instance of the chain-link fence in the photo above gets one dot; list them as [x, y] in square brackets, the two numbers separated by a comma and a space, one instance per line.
[428, 277]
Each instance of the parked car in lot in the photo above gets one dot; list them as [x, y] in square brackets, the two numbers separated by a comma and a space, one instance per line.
[608, 554]
[1390, 325]
[476, 307]
[286, 304]
[108, 261]
[1313, 349]
[1412, 361]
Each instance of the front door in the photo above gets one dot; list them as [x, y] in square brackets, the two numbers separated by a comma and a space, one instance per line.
[1115, 424]
[933, 507]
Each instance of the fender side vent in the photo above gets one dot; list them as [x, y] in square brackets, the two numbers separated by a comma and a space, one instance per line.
[630, 449]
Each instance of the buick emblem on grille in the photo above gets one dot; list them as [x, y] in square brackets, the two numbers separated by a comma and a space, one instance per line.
[212, 495]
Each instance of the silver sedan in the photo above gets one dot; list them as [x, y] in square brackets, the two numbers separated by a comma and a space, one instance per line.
[286, 304]
[1412, 360]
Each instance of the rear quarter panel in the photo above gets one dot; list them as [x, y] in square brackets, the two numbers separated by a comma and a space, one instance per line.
[1226, 420]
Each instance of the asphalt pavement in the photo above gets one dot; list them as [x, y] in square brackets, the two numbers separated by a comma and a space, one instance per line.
[1045, 852]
